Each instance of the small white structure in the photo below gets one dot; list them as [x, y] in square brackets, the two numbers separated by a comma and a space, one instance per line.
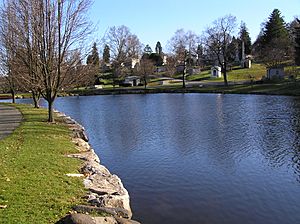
[216, 72]
[133, 80]
[134, 62]
[98, 86]
[246, 63]
[275, 73]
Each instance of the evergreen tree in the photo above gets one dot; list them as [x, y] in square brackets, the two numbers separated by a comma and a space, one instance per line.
[275, 28]
[106, 54]
[245, 37]
[93, 58]
[297, 42]
[158, 48]
[148, 50]
[273, 46]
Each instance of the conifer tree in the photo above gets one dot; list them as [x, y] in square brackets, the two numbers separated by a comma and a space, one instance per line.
[147, 50]
[275, 28]
[158, 48]
[106, 54]
[93, 58]
[245, 37]
[273, 46]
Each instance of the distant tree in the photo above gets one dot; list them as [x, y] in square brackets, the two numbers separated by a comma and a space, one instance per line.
[275, 28]
[244, 37]
[158, 48]
[146, 69]
[217, 40]
[124, 47]
[147, 50]
[233, 47]
[273, 45]
[199, 55]
[93, 58]
[294, 29]
[171, 65]
[183, 46]
[156, 59]
[106, 54]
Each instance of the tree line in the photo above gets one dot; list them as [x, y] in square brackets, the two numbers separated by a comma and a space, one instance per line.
[220, 44]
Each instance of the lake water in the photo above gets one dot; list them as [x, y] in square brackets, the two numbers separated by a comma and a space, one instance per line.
[199, 158]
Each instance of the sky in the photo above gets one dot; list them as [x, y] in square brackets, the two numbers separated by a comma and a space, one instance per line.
[157, 20]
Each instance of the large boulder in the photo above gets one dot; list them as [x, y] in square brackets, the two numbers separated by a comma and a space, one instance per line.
[77, 219]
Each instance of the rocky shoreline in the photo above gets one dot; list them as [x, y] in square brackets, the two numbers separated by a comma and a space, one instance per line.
[105, 191]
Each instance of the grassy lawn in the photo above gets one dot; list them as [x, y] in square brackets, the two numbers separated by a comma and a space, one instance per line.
[33, 184]
[236, 74]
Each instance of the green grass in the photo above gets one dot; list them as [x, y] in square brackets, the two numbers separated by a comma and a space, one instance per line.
[33, 184]
[236, 74]
[239, 74]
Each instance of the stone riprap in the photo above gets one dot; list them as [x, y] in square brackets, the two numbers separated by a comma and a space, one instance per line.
[106, 193]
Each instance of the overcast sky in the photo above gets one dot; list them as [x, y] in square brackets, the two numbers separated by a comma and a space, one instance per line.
[157, 20]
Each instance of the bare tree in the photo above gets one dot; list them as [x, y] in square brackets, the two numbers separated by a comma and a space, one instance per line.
[124, 46]
[46, 32]
[7, 54]
[217, 39]
[183, 46]
[146, 69]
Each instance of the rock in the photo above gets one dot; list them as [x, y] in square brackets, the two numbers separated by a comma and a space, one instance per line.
[91, 168]
[82, 145]
[110, 190]
[86, 156]
[106, 191]
[126, 221]
[112, 211]
[77, 219]
[105, 220]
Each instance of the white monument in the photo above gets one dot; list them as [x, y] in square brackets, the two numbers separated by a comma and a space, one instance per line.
[246, 61]
[216, 72]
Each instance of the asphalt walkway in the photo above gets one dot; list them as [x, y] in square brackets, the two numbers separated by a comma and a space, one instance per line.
[10, 119]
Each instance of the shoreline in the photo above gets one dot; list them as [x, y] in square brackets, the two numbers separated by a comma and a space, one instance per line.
[105, 191]
[284, 89]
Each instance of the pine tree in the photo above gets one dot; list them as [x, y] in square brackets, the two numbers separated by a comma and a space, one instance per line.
[275, 28]
[93, 58]
[158, 48]
[106, 54]
[147, 50]
[245, 37]
[273, 46]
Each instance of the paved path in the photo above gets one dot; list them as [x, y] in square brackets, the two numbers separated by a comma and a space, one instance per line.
[10, 119]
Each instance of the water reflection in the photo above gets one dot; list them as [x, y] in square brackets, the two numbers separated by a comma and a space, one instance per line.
[199, 158]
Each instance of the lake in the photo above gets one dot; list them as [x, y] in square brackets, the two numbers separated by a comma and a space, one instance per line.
[199, 158]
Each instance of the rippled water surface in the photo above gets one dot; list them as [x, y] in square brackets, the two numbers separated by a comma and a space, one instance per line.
[199, 158]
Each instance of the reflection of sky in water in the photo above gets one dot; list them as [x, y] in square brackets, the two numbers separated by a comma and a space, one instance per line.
[199, 158]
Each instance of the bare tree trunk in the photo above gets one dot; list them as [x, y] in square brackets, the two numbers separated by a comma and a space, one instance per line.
[13, 96]
[50, 111]
[36, 99]
[225, 74]
[225, 79]
[183, 78]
